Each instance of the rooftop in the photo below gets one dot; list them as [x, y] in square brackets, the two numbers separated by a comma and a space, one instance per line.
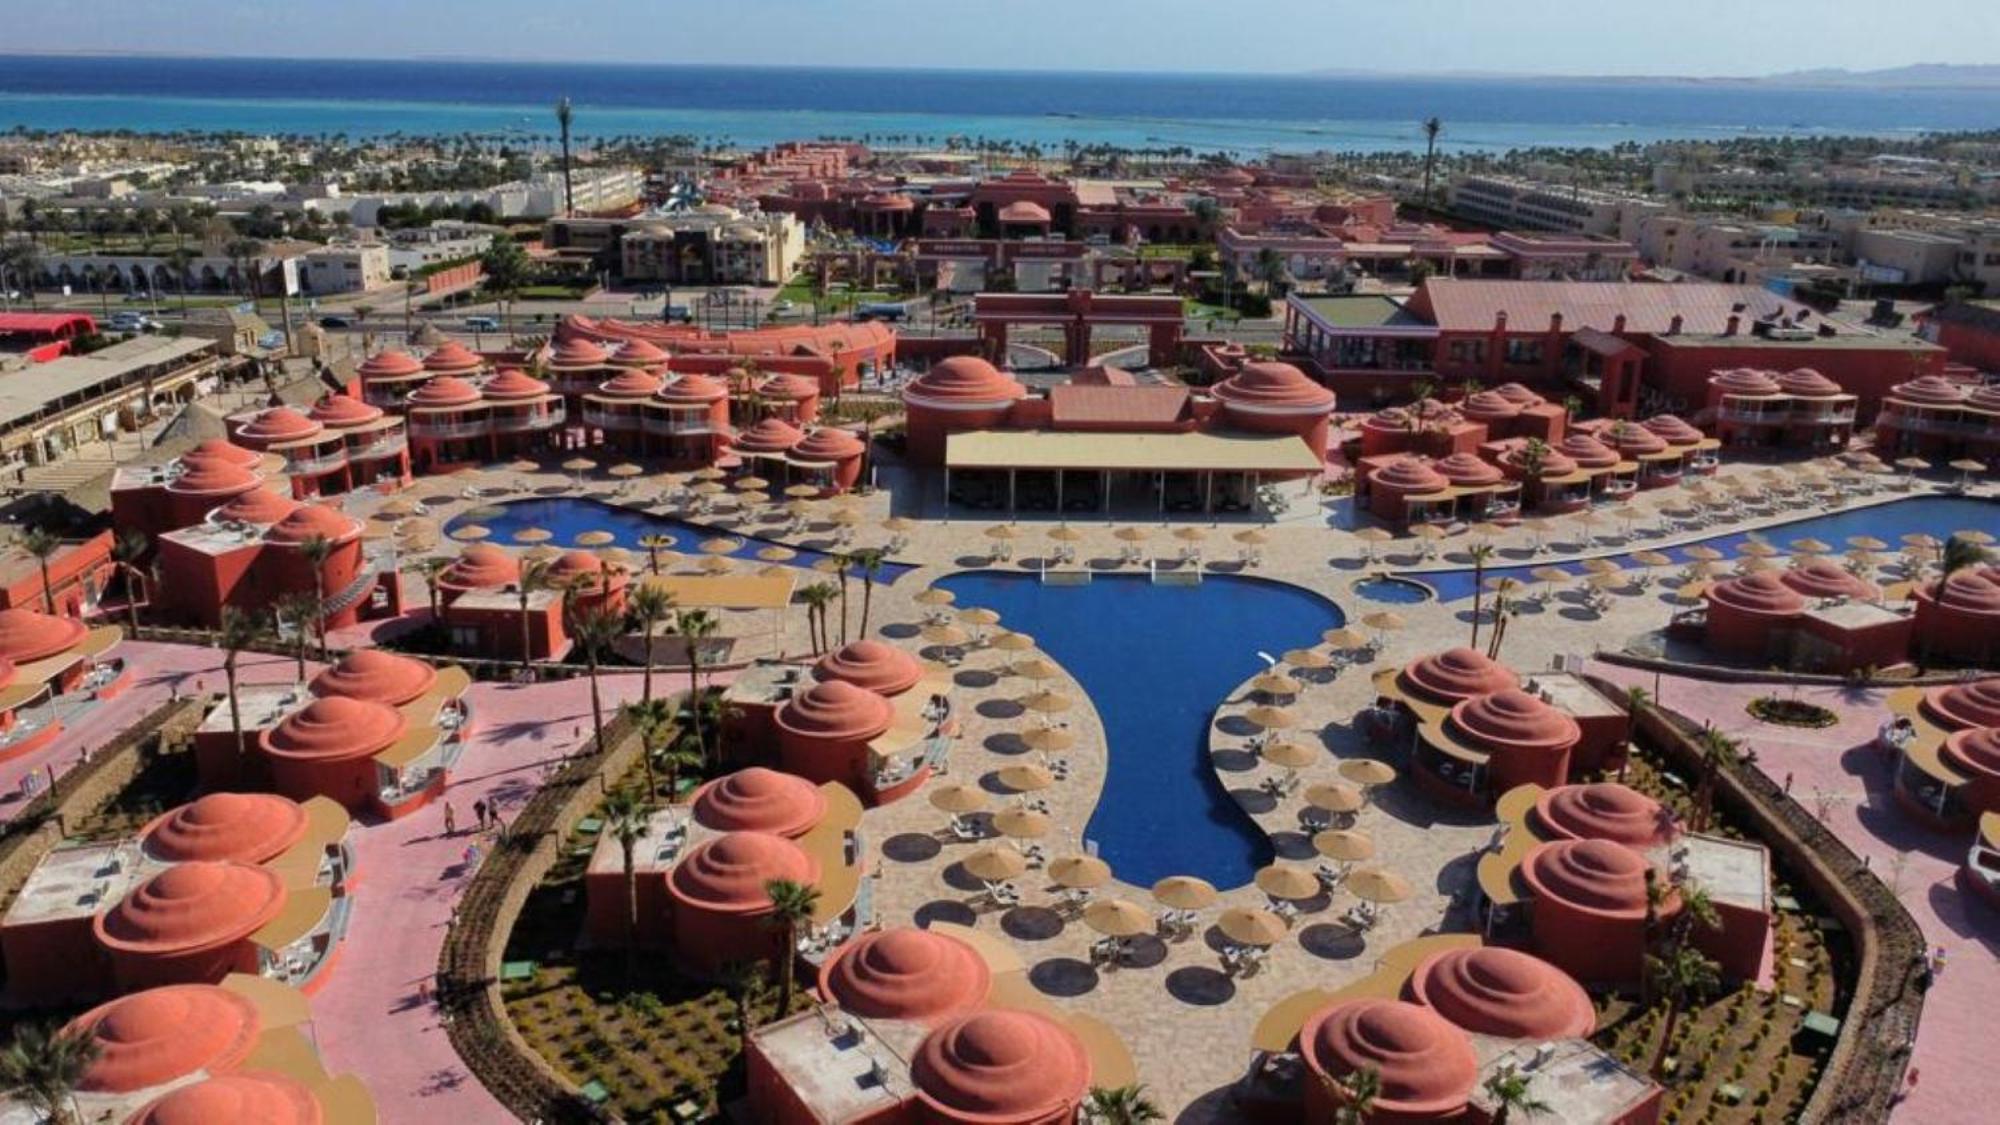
[80, 881]
[1736, 872]
[1578, 1081]
[842, 1077]
[24, 394]
[1361, 311]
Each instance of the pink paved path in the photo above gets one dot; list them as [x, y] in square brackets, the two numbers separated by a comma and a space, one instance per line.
[1837, 766]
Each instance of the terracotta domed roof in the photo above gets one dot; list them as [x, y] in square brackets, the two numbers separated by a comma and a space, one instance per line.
[213, 478]
[1274, 387]
[247, 1097]
[828, 443]
[277, 424]
[727, 874]
[1985, 397]
[1603, 810]
[1596, 876]
[1673, 429]
[309, 520]
[513, 383]
[771, 435]
[162, 1034]
[1412, 475]
[1975, 750]
[906, 974]
[575, 566]
[788, 388]
[875, 665]
[444, 391]
[216, 449]
[1511, 718]
[1492, 990]
[1426, 1065]
[1764, 593]
[1024, 211]
[1457, 674]
[760, 800]
[1804, 382]
[343, 410]
[1490, 406]
[192, 906]
[334, 729]
[964, 379]
[242, 827]
[1744, 381]
[1555, 463]
[577, 354]
[453, 357]
[1588, 452]
[1968, 591]
[1468, 470]
[629, 383]
[1634, 440]
[481, 566]
[1974, 704]
[373, 673]
[693, 388]
[28, 635]
[261, 506]
[389, 364]
[834, 710]
[1933, 389]
[1001, 1065]
[1518, 393]
[639, 353]
[1824, 578]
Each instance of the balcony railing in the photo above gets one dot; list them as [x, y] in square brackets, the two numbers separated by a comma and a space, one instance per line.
[381, 447]
[606, 420]
[674, 426]
[324, 463]
[524, 423]
[421, 428]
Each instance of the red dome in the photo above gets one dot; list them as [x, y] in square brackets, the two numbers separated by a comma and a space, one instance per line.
[1024, 211]
[1985, 397]
[213, 478]
[789, 388]
[1804, 382]
[240, 827]
[259, 1097]
[1491, 990]
[639, 353]
[453, 357]
[875, 665]
[828, 443]
[1604, 810]
[760, 800]
[1426, 1065]
[727, 874]
[577, 354]
[835, 710]
[964, 380]
[481, 566]
[1634, 440]
[1555, 463]
[192, 907]
[335, 728]
[216, 449]
[1588, 452]
[1673, 429]
[629, 383]
[1468, 470]
[28, 635]
[693, 388]
[341, 411]
[1594, 876]
[390, 364]
[1968, 591]
[1517, 393]
[276, 425]
[372, 673]
[1933, 390]
[261, 506]
[1277, 388]
[1824, 578]
[167, 1033]
[1458, 674]
[1412, 475]
[309, 520]
[576, 567]
[444, 391]
[999, 1065]
[1490, 406]
[1511, 718]
[772, 435]
[1975, 704]
[906, 974]
[1975, 750]
[1764, 593]
[1744, 381]
[513, 383]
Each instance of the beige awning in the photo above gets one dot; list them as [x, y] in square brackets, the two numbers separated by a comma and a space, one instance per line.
[303, 910]
[287, 1051]
[278, 1004]
[345, 1101]
[1179, 452]
[727, 591]
[414, 744]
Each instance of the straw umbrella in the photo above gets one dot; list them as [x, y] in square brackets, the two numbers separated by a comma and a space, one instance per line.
[1021, 824]
[1064, 533]
[716, 564]
[533, 535]
[776, 554]
[1190, 534]
[1184, 892]
[1966, 467]
[1079, 872]
[1035, 668]
[1651, 559]
[1247, 926]
[1383, 621]
[1049, 740]
[540, 553]
[1335, 797]
[1550, 577]
[750, 484]
[1118, 919]
[1378, 885]
[1703, 553]
[1131, 534]
[401, 507]
[1288, 883]
[523, 465]
[1267, 717]
[1290, 755]
[1048, 702]
[936, 596]
[625, 470]
[979, 616]
[896, 525]
[1866, 543]
[1003, 532]
[1373, 537]
[1013, 642]
[595, 539]
[1809, 547]
[958, 799]
[577, 466]
[1026, 778]
[470, 533]
[1976, 538]
[995, 862]
[1307, 658]
[721, 545]
[1275, 683]
[1600, 566]
[1367, 772]
[1344, 844]
[1345, 639]
[949, 635]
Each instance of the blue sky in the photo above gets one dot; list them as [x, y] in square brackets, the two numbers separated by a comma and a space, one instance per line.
[1679, 37]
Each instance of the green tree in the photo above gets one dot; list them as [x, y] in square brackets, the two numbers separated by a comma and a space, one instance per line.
[127, 549]
[1121, 1105]
[649, 606]
[564, 114]
[43, 1066]
[431, 569]
[297, 607]
[244, 253]
[1512, 1093]
[239, 631]
[747, 984]
[1432, 127]
[793, 906]
[1680, 976]
[695, 626]
[817, 598]
[506, 266]
[654, 544]
[534, 577]
[1718, 751]
[626, 816]
[1355, 1095]
[867, 560]
[316, 549]
[650, 719]
[594, 630]
[43, 543]
[1480, 552]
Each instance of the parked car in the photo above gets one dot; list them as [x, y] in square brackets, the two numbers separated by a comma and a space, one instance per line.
[482, 324]
[336, 322]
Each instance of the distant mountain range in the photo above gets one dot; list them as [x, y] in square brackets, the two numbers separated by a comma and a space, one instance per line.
[1929, 76]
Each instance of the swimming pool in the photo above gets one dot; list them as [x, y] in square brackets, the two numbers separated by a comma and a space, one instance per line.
[1156, 659]
[568, 517]
[1393, 590]
[1933, 515]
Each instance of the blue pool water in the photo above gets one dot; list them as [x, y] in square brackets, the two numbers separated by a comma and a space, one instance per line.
[1156, 660]
[1395, 591]
[1932, 515]
[568, 518]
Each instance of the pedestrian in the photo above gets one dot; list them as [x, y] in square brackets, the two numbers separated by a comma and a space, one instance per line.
[471, 857]
[479, 813]
[1788, 782]
[1937, 962]
[450, 820]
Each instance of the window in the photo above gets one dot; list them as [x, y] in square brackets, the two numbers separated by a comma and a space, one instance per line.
[1468, 351]
[1524, 352]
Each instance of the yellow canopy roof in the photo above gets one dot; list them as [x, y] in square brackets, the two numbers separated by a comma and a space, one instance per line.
[1181, 452]
[727, 591]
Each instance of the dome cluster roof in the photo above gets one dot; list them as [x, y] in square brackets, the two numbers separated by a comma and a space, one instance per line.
[452, 357]
[1409, 475]
[481, 566]
[770, 435]
[640, 353]
[1513, 719]
[192, 907]
[760, 800]
[389, 364]
[1974, 704]
[875, 665]
[313, 520]
[1275, 388]
[1426, 1065]
[162, 1034]
[512, 383]
[1519, 393]
[1491, 990]
[444, 391]
[213, 477]
[577, 354]
[1930, 389]
[575, 566]
[277, 424]
[261, 506]
[1804, 382]
[1594, 876]
[1764, 593]
[1001, 1065]
[829, 443]
[1675, 430]
[1744, 381]
[216, 449]
[1458, 674]
[693, 388]
[787, 387]
[906, 974]
[1555, 463]
[1633, 440]
[239, 827]
[339, 411]
[28, 635]
[265, 1097]
[1975, 750]
[1468, 470]
[1604, 811]
[727, 874]
[1024, 211]
[964, 380]
[378, 675]
[1490, 406]
[1970, 591]
[335, 728]
[1587, 451]
[630, 382]
[835, 711]
[1824, 578]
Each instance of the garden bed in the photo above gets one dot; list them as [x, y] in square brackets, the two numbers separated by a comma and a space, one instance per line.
[1790, 712]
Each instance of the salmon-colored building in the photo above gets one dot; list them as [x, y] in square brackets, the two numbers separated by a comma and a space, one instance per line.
[44, 657]
[364, 751]
[1587, 912]
[1947, 769]
[1493, 990]
[1799, 409]
[1426, 1065]
[207, 566]
[906, 974]
[881, 745]
[1478, 729]
[1940, 419]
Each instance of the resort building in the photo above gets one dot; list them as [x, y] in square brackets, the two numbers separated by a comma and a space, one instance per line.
[487, 613]
[1958, 617]
[78, 400]
[1945, 740]
[233, 561]
[1791, 410]
[341, 445]
[155, 499]
[45, 659]
[73, 579]
[1811, 616]
[1941, 420]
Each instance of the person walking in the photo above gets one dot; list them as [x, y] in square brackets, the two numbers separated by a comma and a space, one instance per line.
[479, 813]
[450, 820]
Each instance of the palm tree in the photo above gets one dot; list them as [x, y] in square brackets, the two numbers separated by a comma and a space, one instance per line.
[431, 569]
[316, 549]
[43, 544]
[792, 907]
[1432, 127]
[1480, 552]
[695, 626]
[1355, 1095]
[649, 719]
[842, 565]
[1957, 553]
[563, 116]
[239, 631]
[626, 816]
[1680, 975]
[1510, 1091]
[1717, 750]
[1122, 1105]
[649, 606]
[534, 577]
[243, 253]
[297, 607]
[654, 544]
[868, 561]
[126, 550]
[816, 598]
[746, 986]
[594, 630]
[43, 1065]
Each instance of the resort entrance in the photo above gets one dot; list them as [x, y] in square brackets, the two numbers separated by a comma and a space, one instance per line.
[1086, 473]
[1077, 312]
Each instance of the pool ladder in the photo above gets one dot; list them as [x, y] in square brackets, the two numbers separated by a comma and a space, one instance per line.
[1191, 577]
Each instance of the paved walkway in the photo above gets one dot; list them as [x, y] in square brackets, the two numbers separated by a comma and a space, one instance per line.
[1838, 775]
